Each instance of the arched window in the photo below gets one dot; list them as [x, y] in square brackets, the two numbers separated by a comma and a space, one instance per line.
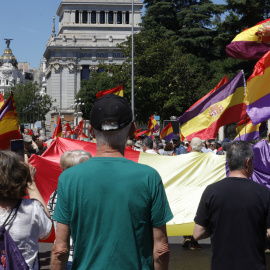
[97, 54]
[93, 17]
[114, 55]
[110, 17]
[81, 55]
[119, 17]
[118, 55]
[102, 55]
[77, 16]
[85, 73]
[84, 16]
[102, 17]
[89, 55]
[127, 17]
[106, 55]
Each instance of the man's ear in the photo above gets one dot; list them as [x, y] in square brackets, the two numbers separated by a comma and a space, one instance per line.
[92, 131]
[132, 130]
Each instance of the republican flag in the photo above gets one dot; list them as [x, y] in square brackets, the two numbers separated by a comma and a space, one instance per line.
[117, 91]
[258, 91]
[136, 132]
[182, 138]
[153, 124]
[224, 106]
[167, 133]
[246, 131]
[251, 44]
[79, 128]
[1, 100]
[147, 132]
[82, 136]
[66, 130]
[9, 126]
[58, 129]
[222, 82]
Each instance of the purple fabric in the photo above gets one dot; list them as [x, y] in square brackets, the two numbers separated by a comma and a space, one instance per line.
[248, 136]
[248, 50]
[220, 94]
[259, 110]
[261, 172]
[8, 108]
[13, 257]
[168, 137]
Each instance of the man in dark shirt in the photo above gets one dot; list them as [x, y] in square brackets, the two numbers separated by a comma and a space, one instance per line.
[235, 213]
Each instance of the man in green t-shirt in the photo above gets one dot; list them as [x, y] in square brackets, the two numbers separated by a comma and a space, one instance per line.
[116, 210]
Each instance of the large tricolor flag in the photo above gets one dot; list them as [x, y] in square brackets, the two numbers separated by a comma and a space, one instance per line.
[1, 100]
[184, 176]
[167, 133]
[252, 43]
[258, 91]
[246, 131]
[117, 91]
[58, 129]
[153, 124]
[224, 106]
[222, 82]
[9, 126]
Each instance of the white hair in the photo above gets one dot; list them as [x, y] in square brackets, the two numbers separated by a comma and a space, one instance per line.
[115, 138]
[196, 144]
[72, 158]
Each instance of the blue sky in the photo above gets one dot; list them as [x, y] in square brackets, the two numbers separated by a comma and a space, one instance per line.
[29, 24]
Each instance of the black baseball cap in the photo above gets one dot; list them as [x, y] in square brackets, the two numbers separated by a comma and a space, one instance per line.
[110, 108]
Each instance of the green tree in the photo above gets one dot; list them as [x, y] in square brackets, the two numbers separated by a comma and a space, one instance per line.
[89, 89]
[26, 94]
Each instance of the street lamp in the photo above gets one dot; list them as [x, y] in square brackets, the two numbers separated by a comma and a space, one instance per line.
[33, 107]
[38, 99]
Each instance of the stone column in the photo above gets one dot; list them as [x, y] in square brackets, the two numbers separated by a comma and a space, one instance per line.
[79, 117]
[115, 17]
[87, 132]
[89, 17]
[75, 119]
[80, 17]
[106, 17]
[221, 134]
[73, 12]
[98, 17]
[123, 18]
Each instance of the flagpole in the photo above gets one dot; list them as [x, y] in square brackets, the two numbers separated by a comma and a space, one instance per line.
[132, 60]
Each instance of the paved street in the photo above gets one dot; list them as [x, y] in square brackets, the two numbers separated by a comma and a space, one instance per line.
[180, 259]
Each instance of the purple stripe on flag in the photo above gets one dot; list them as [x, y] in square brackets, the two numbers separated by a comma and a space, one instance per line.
[259, 110]
[220, 94]
[254, 135]
[248, 50]
[8, 108]
[168, 137]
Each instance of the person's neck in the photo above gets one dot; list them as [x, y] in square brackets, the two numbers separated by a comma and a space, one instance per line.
[107, 151]
[240, 174]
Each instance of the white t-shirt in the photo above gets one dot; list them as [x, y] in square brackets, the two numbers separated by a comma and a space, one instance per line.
[30, 224]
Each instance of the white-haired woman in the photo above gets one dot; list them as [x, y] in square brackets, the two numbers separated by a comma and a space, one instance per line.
[67, 160]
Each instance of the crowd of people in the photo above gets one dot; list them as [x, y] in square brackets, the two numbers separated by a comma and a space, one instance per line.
[111, 213]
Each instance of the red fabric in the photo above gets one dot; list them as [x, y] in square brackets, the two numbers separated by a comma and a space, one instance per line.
[7, 137]
[222, 82]
[83, 136]
[47, 179]
[110, 91]
[1, 98]
[260, 66]
[79, 128]
[58, 129]
[31, 132]
[66, 130]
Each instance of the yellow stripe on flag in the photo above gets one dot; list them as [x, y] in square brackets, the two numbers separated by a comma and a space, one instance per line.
[185, 184]
[204, 119]
[8, 123]
[248, 35]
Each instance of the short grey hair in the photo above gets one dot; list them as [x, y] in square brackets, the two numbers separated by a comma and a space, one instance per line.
[238, 153]
[148, 143]
[115, 138]
[196, 144]
[42, 138]
[72, 158]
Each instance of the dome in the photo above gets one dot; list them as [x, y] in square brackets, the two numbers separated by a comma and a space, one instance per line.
[8, 57]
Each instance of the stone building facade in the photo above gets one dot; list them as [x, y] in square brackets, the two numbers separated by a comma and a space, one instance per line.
[89, 31]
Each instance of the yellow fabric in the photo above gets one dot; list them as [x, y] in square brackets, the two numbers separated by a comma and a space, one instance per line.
[248, 35]
[185, 177]
[258, 87]
[1, 104]
[246, 128]
[204, 119]
[119, 93]
[8, 123]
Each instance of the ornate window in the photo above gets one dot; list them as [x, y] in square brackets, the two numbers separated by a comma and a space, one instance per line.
[102, 17]
[77, 16]
[84, 16]
[119, 17]
[127, 17]
[93, 17]
[110, 17]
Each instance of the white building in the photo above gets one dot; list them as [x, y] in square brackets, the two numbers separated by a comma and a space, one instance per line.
[89, 31]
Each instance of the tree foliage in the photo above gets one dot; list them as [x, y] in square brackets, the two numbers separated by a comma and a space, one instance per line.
[25, 95]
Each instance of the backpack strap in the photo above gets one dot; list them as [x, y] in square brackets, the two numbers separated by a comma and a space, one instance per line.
[11, 218]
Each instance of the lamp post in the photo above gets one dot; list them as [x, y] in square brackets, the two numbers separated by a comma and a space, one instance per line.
[38, 99]
[77, 110]
[33, 107]
[29, 108]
